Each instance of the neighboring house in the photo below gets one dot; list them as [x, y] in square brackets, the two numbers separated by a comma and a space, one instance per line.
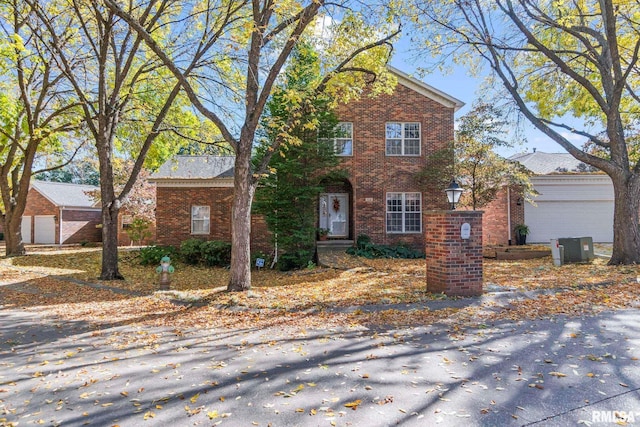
[60, 213]
[574, 200]
[384, 142]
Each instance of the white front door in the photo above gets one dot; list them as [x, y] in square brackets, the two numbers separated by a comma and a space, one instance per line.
[334, 214]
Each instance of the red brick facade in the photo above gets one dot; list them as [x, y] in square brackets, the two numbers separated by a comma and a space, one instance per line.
[79, 226]
[454, 264]
[372, 173]
[173, 216]
[125, 240]
[498, 228]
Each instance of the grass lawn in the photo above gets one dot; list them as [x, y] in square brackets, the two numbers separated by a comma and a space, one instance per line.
[311, 298]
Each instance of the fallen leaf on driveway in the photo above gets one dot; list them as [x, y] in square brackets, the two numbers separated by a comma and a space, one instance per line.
[353, 405]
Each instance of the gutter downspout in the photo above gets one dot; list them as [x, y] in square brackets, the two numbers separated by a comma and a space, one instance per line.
[509, 213]
[60, 227]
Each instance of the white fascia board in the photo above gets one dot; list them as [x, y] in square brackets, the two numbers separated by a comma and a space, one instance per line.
[200, 183]
[426, 90]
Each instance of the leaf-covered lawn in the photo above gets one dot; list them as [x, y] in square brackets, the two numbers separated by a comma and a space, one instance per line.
[305, 299]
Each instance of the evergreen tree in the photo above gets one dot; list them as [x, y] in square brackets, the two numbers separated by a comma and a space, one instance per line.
[288, 194]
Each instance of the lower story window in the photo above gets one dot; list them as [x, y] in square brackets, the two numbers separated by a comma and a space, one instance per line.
[127, 220]
[200, 223]
[404, 213]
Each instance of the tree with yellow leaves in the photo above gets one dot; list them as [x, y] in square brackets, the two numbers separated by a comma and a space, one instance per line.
[558, 60]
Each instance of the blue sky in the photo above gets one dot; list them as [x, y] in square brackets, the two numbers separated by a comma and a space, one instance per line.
[464, 87]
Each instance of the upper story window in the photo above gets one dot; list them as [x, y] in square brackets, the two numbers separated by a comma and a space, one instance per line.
[200, 220]
[402, 139]
[404, 212]
[342, 139]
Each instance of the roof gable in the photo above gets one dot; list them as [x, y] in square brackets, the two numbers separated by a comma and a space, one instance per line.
[426, 90]
[64, 194]
[195, 167]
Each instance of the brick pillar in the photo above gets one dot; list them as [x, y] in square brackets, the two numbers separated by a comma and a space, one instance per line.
[454, 264]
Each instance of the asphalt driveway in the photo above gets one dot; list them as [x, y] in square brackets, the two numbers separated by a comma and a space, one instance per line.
[554, 372]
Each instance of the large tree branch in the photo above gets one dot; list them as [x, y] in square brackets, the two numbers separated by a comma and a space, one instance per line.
[151, 136]
[507, 8]
[179, 75]
[61, 165]
[308, 13]
[63, 63]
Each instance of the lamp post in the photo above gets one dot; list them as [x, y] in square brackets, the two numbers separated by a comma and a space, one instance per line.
[453, 193]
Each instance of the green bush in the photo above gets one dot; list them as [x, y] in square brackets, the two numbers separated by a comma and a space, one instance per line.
[294, 260]
[151, 255]
[139, 230]
[216, 253]
[191, 251]
[367, 249]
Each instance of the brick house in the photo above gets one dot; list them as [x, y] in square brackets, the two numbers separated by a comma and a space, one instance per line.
[573, 200]
[60, 213]
[383, 143]
[193, 200]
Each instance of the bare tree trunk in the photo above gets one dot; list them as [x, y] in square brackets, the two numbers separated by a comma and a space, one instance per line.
[110, 269]
[626, 232]
[13, 234]
[244, 190]
[15, 201]
[110, 210]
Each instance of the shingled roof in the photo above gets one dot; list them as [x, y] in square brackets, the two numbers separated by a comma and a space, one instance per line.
[195, 167]
[63, 194]
[541, 163]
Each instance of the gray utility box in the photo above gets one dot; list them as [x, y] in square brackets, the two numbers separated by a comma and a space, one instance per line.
[577, 249]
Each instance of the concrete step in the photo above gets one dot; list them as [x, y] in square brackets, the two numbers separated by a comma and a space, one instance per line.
[332, 253]
[334, 243]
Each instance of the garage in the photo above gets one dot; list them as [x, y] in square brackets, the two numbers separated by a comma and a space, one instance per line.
[44, 229]
[578, 205]
[26, 229]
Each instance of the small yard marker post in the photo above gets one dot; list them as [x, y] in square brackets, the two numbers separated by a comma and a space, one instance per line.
[165, 268]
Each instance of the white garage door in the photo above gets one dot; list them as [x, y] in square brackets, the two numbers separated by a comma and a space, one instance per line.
[552, 220]
[44, 228]
[26, 229]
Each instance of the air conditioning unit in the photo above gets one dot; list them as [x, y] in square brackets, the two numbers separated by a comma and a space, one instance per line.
[577, 249]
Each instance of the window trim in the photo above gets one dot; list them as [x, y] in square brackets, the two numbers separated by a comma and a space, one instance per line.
[403, 212]
[207, 219]
[403, 139]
